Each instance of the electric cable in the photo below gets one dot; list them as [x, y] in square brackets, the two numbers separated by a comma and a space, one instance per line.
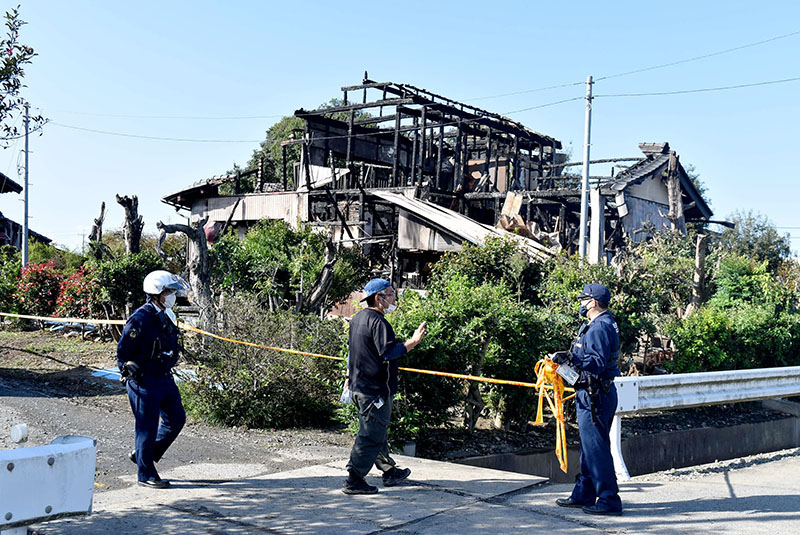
[702, 90]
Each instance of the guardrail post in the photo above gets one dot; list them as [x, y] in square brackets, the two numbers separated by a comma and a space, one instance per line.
[616, 449]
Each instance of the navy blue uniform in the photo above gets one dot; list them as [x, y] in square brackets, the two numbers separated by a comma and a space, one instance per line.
[150, 340]
[594, 354]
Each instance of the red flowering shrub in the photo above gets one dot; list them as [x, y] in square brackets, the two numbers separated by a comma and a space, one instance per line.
[37, 289]
[79, 295]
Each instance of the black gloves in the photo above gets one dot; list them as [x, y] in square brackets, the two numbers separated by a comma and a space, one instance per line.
[131, 370]
[560, 357]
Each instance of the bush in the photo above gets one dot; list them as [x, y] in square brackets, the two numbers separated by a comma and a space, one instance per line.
[740, 337]
[479, 322]
[246, 386]
[10, 263]
[120, 280]
[80, 295]
[37, 289]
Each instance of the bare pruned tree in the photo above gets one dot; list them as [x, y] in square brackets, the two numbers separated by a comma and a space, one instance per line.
[199, 267]
[134, 223]
[97, 250]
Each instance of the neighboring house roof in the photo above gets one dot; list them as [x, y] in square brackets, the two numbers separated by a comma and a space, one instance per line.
[457, 225]
[655, 162]
[8, 186]
[34, 235]
[201, 189]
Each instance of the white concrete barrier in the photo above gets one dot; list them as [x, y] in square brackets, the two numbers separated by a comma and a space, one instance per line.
[683, 390]
[46, 482]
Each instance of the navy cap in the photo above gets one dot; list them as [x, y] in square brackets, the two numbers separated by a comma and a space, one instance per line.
[375, 286]
[596, 291]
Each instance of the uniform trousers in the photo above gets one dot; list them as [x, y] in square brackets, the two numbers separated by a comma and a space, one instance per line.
[159, 414]
[597, 482]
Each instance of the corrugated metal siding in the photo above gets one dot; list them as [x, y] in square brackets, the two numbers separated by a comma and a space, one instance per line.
[288, 206]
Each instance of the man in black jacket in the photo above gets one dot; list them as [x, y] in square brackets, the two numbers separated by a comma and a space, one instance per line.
[372, 369]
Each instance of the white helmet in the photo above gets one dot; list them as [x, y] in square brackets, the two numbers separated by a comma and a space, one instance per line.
[160, 280]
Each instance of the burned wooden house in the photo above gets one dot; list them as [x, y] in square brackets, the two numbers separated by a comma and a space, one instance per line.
[411, 174]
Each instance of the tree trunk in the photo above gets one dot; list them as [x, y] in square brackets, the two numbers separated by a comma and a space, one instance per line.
[474, 401]
[199, 268]
[699, 282]
[675, 215]
[316, 297]
[96, 250]
[132, 228]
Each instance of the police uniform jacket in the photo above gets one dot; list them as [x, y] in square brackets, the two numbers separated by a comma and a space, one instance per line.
[150, 340]
[594, 354]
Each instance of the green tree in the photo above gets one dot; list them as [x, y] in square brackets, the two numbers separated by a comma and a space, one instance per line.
[174, 247]
[755, 236]
[14, 56]
[276, 263]
[64, 261]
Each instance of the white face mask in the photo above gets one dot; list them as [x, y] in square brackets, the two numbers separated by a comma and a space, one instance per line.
[390, 309]
[169, 301]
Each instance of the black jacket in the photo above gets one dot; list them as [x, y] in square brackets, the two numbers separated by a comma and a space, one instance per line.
[374, 351]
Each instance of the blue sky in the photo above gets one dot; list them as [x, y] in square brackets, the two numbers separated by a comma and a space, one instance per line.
[114, 66]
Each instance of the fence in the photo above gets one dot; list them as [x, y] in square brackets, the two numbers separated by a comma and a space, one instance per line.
[637, 394]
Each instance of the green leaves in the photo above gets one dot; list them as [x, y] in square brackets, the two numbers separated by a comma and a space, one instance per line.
[275, 263]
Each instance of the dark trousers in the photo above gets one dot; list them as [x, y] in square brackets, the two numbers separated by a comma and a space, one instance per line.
[372, 442]
[597, 481]
[154, 399]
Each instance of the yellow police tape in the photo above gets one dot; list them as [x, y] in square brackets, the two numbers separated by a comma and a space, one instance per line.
[547, 379]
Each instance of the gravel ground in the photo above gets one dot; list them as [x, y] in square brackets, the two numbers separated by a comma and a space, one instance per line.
[695, 472]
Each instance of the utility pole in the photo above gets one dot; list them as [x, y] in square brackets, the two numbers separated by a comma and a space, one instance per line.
[587, 138]
[25, 217]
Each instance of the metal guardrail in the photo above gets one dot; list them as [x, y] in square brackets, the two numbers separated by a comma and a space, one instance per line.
[46, 482]
[684, 390]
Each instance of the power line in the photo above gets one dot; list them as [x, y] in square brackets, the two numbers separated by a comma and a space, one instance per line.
[159, 138]
[363, 134]
[546, 105]
[525, 91]
[190, 117]
[703, 90]
[644, 69]
[696, 58]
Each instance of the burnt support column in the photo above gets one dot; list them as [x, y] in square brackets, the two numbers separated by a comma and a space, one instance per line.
[488, 164]
[422, 149]
[396, 152]
[458, 170]
[414, 146]
[439, 154]
[516, 174]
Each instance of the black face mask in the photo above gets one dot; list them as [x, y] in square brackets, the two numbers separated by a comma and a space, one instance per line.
[583, 311]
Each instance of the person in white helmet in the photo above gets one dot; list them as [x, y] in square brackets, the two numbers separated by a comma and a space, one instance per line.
[146, 354]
